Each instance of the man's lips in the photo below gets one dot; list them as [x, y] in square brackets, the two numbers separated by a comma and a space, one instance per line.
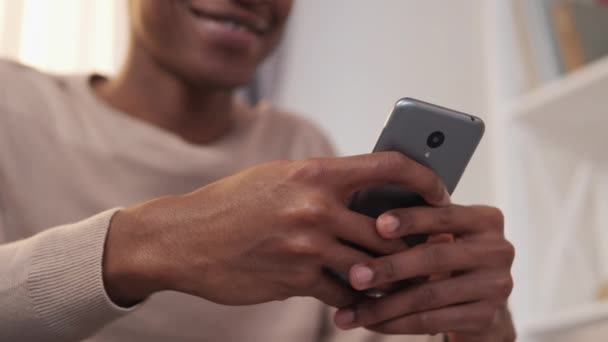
[233, 20]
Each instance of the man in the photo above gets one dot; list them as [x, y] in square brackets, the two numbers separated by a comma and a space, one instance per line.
[211, 252]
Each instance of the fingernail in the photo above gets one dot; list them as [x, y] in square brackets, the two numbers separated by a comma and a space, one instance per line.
[344, 317]
[388, 224]
[362, 274]
[446, 198]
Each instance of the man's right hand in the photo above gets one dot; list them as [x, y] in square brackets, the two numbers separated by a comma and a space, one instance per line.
[267, 233]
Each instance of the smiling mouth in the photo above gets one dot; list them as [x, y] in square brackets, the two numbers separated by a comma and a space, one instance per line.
[231, 23]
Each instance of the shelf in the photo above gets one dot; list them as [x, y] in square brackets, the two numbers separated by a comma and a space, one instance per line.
[570, 321]
[588, 85]
[572, 111]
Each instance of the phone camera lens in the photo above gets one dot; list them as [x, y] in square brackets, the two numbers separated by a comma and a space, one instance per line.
[435, 140]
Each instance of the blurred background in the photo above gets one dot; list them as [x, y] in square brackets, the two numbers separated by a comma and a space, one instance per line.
[535, 70]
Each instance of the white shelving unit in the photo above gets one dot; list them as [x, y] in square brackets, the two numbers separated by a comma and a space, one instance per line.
[551, 147]
[573, 109]
[566, 325]
[563, 127]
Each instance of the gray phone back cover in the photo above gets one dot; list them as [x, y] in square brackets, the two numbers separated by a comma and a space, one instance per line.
[407, 130]
[411, 123]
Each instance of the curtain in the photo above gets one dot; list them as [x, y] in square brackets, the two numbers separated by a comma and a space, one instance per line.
[64, 36]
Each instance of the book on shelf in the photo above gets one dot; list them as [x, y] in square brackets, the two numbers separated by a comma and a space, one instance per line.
[539, 48]
[568, 36]
[560, 36]
[592, 25]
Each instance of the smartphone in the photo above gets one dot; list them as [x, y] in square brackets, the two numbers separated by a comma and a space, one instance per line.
[440, 138]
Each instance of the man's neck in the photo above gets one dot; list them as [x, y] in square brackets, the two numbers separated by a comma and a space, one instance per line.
[144, 90]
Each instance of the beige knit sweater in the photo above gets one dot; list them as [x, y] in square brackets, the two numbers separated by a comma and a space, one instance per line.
[66, 159]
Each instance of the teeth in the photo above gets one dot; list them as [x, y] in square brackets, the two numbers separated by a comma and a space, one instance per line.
[229, 23]
[233, 25]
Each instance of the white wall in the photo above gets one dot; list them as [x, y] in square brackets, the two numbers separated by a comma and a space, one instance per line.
[348, 61]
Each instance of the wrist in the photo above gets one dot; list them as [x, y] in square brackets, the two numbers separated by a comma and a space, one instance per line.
[131, 267]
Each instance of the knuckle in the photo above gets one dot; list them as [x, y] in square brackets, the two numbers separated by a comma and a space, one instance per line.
[396, 163]
[509, 252]
[425, 298]
[302, 244]
[504, 253]
[407, 221]
[437, 186]
[435, 257]
[312, 209]
[497, 254]
[308, 170]
[396, 160]
[432, 185]
[493, 217]
[446, 215]
[504, 287]
[385, 268]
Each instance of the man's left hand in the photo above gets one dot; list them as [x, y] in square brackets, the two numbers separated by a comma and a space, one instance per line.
[467, 304]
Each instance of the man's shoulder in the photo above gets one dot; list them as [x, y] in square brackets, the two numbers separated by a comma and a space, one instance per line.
[24, 89]
[35, 107]
[280, 118]
[11, 67]
[16, 76]
[304, 136]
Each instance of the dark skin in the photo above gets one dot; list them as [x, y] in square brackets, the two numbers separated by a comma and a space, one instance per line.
[181, 71]
[179, 75]
[470, 275]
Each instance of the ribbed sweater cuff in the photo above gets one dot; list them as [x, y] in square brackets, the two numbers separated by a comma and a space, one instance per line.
[65, 281]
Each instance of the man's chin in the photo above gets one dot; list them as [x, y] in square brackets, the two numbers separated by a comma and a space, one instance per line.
[226, 81]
